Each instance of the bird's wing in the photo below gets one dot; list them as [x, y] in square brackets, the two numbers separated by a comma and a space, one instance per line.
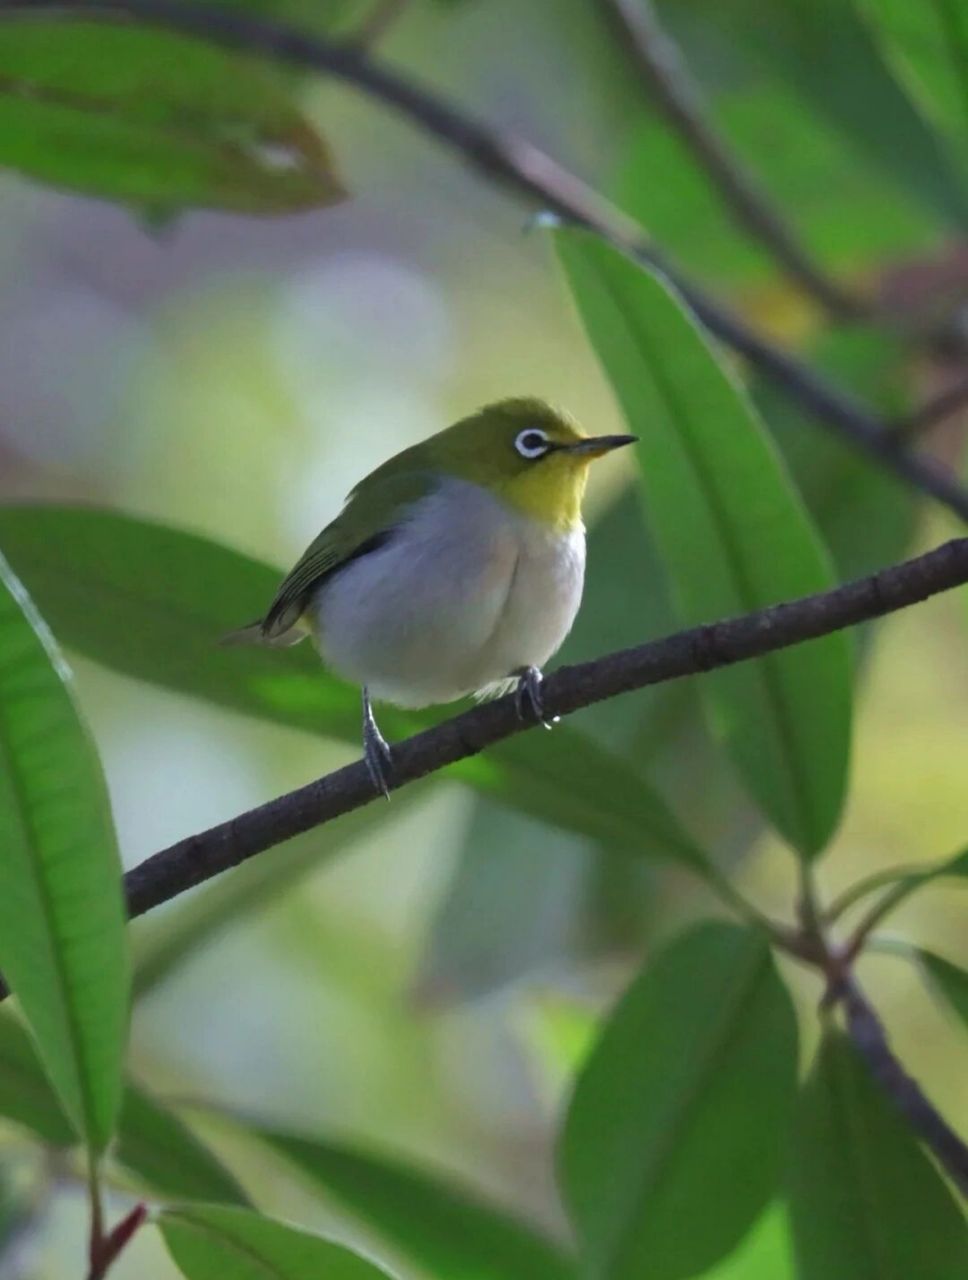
[372, 512]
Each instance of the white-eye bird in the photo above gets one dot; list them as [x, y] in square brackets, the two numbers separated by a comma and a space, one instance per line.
[454, 568]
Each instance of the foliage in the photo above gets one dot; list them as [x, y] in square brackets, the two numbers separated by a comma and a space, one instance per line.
[687, 1146]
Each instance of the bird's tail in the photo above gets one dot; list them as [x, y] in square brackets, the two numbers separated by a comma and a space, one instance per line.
[255, 633]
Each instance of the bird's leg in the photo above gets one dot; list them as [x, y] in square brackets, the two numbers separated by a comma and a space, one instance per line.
[528, 697]
[376, 749]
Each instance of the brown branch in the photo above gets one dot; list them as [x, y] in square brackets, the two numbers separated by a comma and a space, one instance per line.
[505, 158]
[869, 1038]
[666, 78]
[200, 857]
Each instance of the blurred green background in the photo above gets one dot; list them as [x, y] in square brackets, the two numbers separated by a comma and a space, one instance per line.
[425, 991]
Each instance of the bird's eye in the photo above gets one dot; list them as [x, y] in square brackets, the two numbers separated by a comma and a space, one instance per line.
[531, 443]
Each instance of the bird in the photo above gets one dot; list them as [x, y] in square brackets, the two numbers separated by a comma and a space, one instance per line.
[455, 568]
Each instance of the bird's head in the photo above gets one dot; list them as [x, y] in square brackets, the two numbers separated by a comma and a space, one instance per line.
[530, 455]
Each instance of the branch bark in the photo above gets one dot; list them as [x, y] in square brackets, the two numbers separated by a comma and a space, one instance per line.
[515, 163]
[667, 81]
[200, 857]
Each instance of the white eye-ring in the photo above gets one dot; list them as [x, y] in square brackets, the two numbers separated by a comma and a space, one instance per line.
[531, 443]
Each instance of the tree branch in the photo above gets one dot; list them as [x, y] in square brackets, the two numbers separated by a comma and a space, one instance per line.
[667, 81]
[505, 158]
[869, 1038]
[200, 857]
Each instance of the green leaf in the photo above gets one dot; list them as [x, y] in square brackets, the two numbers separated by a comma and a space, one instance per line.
[826, 52]
[681, 1112]
[867, 516]
[26, 1096]
[733, 533]
[153, 1143]
[62, 919]
[429, 1219]
[152, 118]
[152, 602]
[866, 1203]
[930, 43]
[164, 1153]
[850, 219]
[949, 980]
[213, 1243]
[765, 1254]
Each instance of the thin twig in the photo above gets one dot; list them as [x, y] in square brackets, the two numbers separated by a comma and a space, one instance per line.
[663, 72]
[200, 857]
[96, 1211]
[860, 889]
[869, 1038]
[505, 158]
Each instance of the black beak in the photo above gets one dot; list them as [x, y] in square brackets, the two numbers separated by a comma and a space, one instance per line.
[595, 446]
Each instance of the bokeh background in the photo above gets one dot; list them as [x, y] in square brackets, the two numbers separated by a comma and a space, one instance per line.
[425, 991]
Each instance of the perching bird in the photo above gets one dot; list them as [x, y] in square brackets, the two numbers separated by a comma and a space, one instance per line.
[454, 568]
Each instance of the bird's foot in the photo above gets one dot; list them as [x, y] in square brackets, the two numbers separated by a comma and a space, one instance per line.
[528, 699]
[376, 750]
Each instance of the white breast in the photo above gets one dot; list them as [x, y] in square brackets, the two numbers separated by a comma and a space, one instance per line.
[465, 593]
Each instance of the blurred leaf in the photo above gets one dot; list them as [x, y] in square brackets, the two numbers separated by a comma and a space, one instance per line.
[209, 1242]
[866, 516]
[62, 919]
[152, 602]
[930, 42]
[430, 1220]
[511, 905]
[866, 1203]
[150, 117]
[559, 1034]
[825, 51]
[26, 1096]
[734, 536]
[846, 216]
[166, 1155]
[166, 944]
[153, 1143]
[765, 1253]
[680, 1113]
[948, 980]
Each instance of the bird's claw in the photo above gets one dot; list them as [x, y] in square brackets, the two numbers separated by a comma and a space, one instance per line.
[379, 761]
[376, 751]
[528, 699]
